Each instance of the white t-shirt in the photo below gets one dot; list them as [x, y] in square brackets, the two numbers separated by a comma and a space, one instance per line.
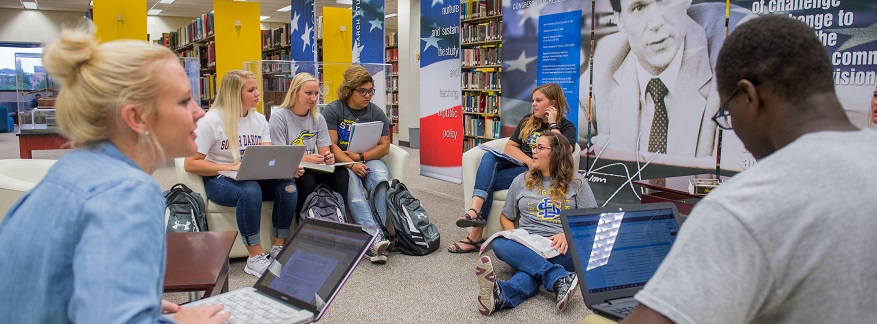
[212, 141]
[790, 240]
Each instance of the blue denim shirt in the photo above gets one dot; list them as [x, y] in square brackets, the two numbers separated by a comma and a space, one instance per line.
[86, 245]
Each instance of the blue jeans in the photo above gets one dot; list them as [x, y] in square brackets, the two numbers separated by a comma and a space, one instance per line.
[494, 173]
[357, 204]
[247, 197]
[532, 270]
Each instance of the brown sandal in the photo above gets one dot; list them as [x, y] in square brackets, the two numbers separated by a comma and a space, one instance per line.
[476, 246]
[468, 221]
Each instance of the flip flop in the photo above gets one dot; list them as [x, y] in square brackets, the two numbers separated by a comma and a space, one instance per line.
[476, 246]
[468, 221]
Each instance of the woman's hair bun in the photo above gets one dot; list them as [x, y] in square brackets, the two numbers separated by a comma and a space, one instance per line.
[65, 57]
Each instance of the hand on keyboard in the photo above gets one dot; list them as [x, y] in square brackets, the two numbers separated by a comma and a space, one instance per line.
[204, 314]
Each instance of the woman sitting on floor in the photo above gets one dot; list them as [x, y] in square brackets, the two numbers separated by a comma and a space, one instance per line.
[495, 173]
[536, 199]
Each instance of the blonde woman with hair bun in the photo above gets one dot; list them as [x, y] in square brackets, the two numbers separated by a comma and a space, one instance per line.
[232, 124]
[299, 123]
[87, 243]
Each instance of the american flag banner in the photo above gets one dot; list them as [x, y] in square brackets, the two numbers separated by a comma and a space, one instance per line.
[302, 35]
[441, 117]
[368, 31]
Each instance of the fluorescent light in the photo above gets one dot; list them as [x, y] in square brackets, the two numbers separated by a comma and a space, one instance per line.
[153, 12]
[285, 9]
[264, 17]
[167, 1]
[29, 5]
[391, 15]
[348, 2]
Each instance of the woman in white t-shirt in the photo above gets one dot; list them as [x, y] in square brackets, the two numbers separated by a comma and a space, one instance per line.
[301, 124]
[233, 116]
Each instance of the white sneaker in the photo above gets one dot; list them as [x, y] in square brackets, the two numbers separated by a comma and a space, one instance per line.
[375, 253]
[256, 265]
[275, 250]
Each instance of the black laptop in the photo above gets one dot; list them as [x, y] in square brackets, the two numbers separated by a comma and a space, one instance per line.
[616, 250]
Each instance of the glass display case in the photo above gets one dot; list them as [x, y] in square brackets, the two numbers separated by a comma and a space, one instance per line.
[276, 76]
[35, 93]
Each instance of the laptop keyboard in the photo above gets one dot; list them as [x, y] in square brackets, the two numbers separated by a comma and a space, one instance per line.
[624, 311]
[247, 307]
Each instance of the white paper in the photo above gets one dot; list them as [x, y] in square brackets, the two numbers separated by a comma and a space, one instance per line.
[501, 154]
[364, 136]
[324, 167]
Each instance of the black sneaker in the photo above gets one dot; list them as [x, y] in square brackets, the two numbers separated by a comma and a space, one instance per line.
[489, 293]
[564, 288]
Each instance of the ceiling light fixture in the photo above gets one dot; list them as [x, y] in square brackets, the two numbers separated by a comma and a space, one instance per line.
[347, 2]
[30, 5]
[285, 9]
[153, 12]
[391, 15]
[167, 1]
[263, 17]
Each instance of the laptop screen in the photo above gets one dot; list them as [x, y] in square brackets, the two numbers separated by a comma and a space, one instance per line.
[623, 249]
[314, 263]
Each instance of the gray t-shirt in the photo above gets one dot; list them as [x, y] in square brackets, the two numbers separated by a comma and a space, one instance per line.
[538, 214]
[339, 117]
[289, 129]
[790, 240]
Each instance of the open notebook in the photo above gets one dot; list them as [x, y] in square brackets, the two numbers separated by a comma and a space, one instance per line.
[304, 278]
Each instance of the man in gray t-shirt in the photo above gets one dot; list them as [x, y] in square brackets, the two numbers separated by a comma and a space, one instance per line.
[791, 239]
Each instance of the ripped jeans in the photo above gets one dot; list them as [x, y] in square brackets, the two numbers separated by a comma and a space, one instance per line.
[247, 198]
[357, 204]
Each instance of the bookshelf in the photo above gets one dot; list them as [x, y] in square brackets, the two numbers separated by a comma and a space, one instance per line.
[481, 70]
[392, 58]
[197, 40]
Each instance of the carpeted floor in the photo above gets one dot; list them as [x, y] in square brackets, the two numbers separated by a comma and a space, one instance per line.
[437, 288]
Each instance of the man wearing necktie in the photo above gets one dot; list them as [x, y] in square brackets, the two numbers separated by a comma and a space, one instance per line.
[653, 80]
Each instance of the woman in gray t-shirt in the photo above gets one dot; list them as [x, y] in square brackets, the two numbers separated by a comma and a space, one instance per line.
[536, 197]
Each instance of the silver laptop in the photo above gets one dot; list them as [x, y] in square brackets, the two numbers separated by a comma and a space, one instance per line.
[267, 162]
[300, 284]
[616, 250]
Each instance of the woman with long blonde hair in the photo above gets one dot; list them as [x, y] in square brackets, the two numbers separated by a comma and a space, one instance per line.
[232, 124]
[87, 244]
[536, 199]
[495, 173]
[299, 123]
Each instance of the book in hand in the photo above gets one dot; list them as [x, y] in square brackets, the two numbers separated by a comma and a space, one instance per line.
[501, 154]
[365, 136]
[328, 168]
[538, 243]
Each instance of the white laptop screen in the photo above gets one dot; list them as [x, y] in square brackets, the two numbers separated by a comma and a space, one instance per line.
[314, 263]
[621, 250]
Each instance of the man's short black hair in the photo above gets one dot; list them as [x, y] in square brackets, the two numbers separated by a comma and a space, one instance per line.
[777, 51]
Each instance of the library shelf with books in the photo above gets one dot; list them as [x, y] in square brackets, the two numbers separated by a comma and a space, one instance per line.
[481, 70]
[197, 40]
[391, 57]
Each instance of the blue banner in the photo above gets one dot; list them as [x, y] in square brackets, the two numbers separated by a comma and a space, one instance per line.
[368, 31]
[559, 44]
[302, 34]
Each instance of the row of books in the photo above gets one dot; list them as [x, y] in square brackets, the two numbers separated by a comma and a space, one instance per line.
[393, 98]
[484, 103]
[276, 56]
[199, 29]
[391, 39]
[284, 68]
[480, 32]
[480, 8]
[393, 113]
[394, 68]
[483, 127]
[273, 98]
[277, 84]
[393, 84]
[275, 38]
[392, 54]
[481, 79]
[207, 53]
[208, 87]
[471, 142]
[482, 56]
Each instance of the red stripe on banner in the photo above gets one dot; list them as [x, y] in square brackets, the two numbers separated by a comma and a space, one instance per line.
[441, 138]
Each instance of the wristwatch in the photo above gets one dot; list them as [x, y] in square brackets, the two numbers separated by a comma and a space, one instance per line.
[553, 126]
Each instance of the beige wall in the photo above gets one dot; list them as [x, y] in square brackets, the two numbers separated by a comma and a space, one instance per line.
[33, 26]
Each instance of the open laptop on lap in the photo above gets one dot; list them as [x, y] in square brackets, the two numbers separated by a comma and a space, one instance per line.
[616, 250]
[307, 274]
[268, 162]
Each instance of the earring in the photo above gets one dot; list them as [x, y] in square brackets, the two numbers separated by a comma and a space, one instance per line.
[146, 136]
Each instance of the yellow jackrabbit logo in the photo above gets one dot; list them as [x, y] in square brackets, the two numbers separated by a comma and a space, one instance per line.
[300, 140]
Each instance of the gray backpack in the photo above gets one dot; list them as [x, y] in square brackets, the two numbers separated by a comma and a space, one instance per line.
[415, 235]
[323, 204]
[184, 210]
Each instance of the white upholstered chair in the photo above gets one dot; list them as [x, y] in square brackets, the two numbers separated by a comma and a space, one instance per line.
[17, 176]
[471, 160]
[221, 218]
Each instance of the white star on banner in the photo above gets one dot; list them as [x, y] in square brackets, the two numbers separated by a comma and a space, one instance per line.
[294, 22]
[376, 24]
[431, 41]
[357, 53]
[858, 37]
[306, 36]
[531, 12]
[441, 2]
[294, 69]
[520, 63]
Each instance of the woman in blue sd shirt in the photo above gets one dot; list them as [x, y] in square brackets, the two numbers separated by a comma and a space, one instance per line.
[87, 244]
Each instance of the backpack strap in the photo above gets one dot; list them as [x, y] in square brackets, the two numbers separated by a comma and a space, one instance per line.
[374, 209]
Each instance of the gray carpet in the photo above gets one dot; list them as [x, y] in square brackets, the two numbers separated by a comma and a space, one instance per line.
[437, 288]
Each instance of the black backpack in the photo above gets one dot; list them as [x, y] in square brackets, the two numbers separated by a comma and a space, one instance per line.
[415, 235]
[184, 210]
[323, 204]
